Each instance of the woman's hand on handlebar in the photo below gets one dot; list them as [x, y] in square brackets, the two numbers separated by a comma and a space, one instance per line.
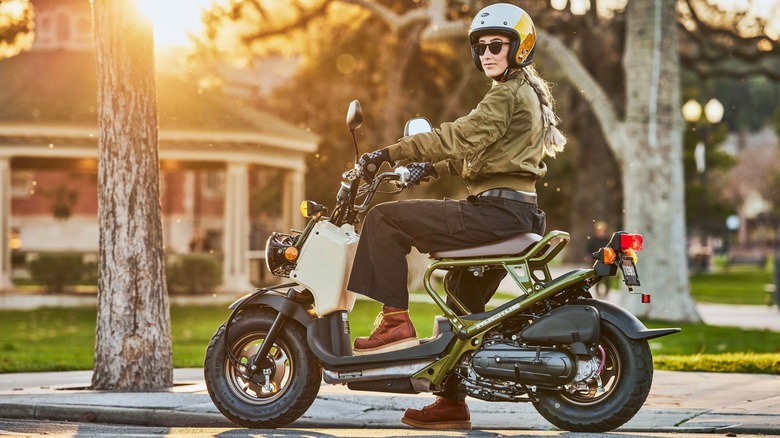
[369, 163]
[410, 174]
[421, 172]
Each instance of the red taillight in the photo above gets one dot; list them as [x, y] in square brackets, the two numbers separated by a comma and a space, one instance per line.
[631, 241]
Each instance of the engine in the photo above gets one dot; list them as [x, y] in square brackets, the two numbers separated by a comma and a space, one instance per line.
[558, 349]
[542, 366]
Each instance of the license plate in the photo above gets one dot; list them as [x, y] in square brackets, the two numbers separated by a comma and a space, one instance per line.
[630, 274]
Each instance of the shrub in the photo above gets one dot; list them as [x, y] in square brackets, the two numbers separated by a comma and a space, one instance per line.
[752, 363]
[192, 273]
[57, 271]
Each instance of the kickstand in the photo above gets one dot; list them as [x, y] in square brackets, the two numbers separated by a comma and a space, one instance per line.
[531, 394]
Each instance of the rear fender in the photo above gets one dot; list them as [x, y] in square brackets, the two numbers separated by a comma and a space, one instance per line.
[625, 321]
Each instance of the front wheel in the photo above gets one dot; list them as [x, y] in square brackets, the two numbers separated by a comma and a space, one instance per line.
[611, 400]
[281, 392]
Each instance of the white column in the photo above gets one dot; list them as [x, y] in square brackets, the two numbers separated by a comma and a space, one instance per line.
[294, 193]
[5, 224]
[236, 232]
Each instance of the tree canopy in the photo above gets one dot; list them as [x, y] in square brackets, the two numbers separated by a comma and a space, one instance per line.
[16, 27]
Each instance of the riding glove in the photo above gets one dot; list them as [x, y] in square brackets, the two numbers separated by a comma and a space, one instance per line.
[369, 163]
[421, 172]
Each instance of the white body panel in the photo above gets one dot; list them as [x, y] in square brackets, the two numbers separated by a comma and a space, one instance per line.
[324, 266]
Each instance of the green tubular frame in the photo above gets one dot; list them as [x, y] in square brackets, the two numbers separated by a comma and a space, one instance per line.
[529, 270]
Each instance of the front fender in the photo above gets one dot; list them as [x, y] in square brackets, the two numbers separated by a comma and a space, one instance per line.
[299, 311]
[625, 321]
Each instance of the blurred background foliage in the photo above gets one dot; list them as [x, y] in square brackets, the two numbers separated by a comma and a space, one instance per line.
[358, 50]
[390, 56]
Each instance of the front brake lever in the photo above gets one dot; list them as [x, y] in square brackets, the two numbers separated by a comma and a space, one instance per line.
[350, 175]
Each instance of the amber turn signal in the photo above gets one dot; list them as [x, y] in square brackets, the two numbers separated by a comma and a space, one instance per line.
[631, 253]
[310, 208]
[291, 253]
[305, 209]
[608, 255]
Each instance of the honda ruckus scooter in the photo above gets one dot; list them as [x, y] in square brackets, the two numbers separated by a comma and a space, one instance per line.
[585, 364]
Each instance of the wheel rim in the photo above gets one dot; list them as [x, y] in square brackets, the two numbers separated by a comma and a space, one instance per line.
[279, 377]
[609, 378]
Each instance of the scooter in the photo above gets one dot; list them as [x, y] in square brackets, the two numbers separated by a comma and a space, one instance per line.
[584, 364]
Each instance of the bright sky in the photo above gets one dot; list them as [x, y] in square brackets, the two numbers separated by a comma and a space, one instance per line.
[174, 19]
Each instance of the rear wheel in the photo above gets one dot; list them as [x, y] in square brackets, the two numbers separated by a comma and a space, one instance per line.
[281, 391]
[613, 399]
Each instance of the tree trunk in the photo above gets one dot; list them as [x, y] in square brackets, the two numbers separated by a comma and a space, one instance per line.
[648, 148]
[597, 179]
[598, 198]
[133, 345]
[397, 64]
[652, 165]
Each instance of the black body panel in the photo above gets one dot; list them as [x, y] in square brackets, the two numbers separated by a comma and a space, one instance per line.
[625, 321]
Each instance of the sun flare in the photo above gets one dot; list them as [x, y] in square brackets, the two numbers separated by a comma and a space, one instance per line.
[174, 20]
[13, 9]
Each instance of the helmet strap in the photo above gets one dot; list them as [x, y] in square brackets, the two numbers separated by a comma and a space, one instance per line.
[506, 74]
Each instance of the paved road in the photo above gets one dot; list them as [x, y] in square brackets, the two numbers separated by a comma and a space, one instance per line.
[54, 429]
[678, 402]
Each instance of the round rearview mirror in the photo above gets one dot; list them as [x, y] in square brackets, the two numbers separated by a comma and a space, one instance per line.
[354, 116]
[417, 125]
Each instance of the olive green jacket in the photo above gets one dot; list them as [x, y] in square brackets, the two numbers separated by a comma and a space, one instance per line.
[499, 144]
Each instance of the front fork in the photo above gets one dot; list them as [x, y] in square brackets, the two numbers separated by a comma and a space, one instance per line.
[260, 359]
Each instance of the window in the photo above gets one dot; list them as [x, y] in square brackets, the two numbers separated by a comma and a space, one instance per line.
[84, 29]
[213, 183]
[63, 27]
[22, 183]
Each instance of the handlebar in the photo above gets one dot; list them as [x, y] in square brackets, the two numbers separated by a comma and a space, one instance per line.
[352, 188]
[399, 176]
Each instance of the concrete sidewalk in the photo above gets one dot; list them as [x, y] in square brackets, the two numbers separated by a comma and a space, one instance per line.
[745, 316]
[678, 402]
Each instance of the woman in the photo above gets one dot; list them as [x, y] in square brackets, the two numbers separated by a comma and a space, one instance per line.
[498, 150]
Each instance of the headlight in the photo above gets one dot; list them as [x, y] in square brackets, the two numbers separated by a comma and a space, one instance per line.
[280, 254]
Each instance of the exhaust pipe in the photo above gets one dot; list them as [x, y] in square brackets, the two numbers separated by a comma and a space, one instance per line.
[406, 370]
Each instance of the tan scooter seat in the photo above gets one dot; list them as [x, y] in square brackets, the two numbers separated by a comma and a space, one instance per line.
[511, 246]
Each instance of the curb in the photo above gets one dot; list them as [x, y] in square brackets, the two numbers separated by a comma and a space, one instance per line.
[113, 415]
[719, 423]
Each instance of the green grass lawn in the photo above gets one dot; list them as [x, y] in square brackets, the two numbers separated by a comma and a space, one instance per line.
[63, 339]
[733, 285]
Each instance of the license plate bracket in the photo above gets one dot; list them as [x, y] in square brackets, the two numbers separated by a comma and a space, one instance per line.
[630, 273]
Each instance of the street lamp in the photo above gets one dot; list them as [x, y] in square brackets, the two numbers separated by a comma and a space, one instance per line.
[713, 111]
[713, 114]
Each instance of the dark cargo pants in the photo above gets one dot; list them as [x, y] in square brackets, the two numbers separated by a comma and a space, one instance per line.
[392, 228]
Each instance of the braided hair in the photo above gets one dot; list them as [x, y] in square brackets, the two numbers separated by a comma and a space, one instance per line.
[554, 140]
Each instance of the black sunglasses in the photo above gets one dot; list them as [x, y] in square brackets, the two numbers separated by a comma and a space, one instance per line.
[494, 46]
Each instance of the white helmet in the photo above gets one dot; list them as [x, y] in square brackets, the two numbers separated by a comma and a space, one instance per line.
[509, 20]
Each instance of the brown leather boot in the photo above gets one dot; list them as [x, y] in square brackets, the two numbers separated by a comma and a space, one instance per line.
[394, 331]
[442, 414]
